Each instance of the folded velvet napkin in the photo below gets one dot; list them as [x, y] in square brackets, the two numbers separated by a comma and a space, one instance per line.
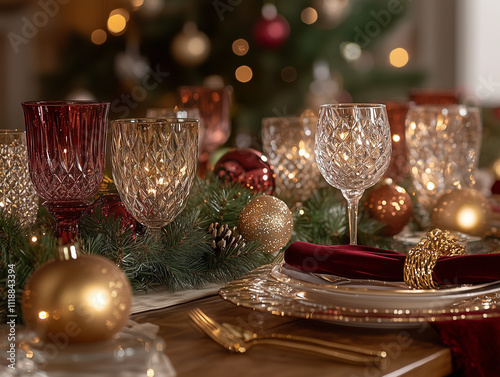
[363, 262]
[474, 343]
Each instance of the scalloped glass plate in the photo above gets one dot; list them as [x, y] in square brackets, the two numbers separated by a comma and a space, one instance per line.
[128, 354]
[261, 290]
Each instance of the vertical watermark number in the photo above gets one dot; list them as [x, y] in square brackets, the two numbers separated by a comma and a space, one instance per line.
[11, 315]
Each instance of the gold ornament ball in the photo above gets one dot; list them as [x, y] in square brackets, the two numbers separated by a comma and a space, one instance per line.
[80, 300]
[390, 204]
[267, 220]
[463, 210]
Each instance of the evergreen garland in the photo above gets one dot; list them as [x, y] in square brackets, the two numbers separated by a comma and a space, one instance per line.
[183, 257]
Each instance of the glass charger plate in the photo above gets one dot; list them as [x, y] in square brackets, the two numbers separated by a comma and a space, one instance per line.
[260, 290]
[128, 354]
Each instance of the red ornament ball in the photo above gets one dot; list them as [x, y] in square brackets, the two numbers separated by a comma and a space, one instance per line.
[271, 33]
[248, 167]
[111, 204]
[391, 205]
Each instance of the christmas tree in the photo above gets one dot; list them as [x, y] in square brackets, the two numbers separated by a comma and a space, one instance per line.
[280, 58]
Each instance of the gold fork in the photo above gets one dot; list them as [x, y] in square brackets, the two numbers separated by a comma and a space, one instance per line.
[231, 341]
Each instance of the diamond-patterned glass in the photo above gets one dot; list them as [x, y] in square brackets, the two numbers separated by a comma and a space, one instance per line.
[16, 190]
[443, 145]
[288, 142]
[353, 145]
[154, 165]
[67, 156]
[353, 150]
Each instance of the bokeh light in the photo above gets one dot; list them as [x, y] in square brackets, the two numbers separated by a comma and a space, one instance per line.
[309, 16]
[240, 47]
[243, 73]
[117, 23]
[98, 37]
[288, 74]
[399, 57]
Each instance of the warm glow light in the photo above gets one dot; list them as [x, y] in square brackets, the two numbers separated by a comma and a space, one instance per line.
[42, 315]
[243, 73]
[431, 186]
[350, 51]
[137, 3]
[467, 217]
[288, 74]
[150, 372]
[98, 37]
[399, 57]
[240, 47]
[196, 45]
[121, 12]
[116, 23]
[98, 299]
[396, 138]
[309, 16]
[34, 239]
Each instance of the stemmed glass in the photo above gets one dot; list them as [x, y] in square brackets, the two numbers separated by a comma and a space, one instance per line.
[67, 156]
[353, 149]
[154, 165]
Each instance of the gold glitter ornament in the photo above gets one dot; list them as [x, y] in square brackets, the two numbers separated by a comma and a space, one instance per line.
[267, 220]
[76, 298]
[463, 210]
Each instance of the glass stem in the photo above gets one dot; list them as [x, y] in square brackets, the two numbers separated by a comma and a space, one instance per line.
[352, 197]
[154, 233]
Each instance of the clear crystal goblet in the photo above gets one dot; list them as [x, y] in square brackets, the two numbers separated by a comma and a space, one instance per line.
[154, 164]
[353, 149]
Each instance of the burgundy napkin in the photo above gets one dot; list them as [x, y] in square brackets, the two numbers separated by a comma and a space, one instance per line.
[363, 262]
[475, 344]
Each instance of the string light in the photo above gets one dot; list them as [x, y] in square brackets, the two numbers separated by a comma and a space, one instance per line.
[117, 23]
[288, 74]
[243, 73]
[240, 47]
[98, 37]
[309, 16]
[399, 57]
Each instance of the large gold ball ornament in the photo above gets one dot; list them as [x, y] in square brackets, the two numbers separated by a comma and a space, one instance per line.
[267, 220]
[463, 210]
[390, 204]
[76, 299]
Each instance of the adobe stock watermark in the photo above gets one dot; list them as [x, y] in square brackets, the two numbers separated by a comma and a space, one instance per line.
[31, 26]
[223, 6]
[128, 101]
[379, 21]
[11, 316]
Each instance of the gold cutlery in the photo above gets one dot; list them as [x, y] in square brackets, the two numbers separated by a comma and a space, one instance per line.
[233, 340]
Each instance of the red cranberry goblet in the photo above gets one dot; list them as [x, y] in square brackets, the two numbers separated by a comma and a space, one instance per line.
[67, 156]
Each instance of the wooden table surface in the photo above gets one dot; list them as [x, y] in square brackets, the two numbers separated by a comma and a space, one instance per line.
[411, 352]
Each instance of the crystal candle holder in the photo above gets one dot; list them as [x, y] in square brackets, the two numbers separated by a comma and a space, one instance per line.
[17, 195]
[288, 142]
[154, 165]
[67, 156]
[443, 145]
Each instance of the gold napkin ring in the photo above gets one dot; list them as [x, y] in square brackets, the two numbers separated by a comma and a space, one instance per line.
[421, 259]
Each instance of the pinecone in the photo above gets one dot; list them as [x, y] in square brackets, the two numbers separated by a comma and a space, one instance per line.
[225, 240]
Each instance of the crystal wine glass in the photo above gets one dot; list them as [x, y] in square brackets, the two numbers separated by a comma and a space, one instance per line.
[353, 149]
[154, 164]
[67, 156]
